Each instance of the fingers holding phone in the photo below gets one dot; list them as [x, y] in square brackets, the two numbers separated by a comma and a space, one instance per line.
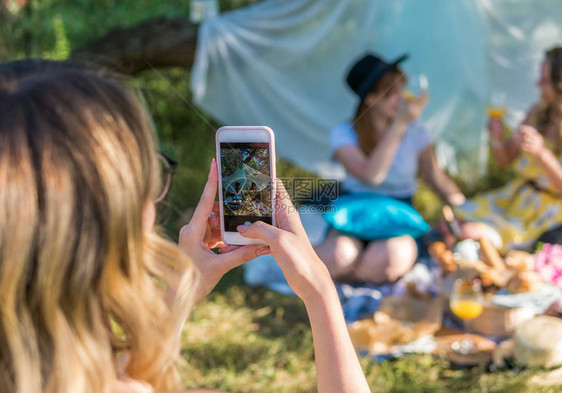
[203, 233]
[255, 211]
[285, 212]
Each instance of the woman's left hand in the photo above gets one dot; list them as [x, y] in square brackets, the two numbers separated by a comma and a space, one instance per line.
[532, 141]
[413, 109]
[203, 233]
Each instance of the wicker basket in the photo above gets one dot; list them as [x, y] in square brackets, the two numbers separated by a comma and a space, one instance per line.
[499, 322]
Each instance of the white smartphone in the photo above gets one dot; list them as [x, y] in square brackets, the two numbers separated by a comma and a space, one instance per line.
[246, 162]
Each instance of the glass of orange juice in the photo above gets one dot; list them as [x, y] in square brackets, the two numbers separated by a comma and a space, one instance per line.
[497, 108]
[417, 85]
[466, 302]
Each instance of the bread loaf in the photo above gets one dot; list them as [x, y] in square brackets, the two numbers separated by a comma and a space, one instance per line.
[520, 261]
[490, 255]
[523, 282]
[443, 257]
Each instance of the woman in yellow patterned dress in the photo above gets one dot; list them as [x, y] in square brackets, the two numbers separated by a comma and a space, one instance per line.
[515, 215]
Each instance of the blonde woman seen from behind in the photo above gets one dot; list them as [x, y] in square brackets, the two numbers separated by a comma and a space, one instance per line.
[91, 298]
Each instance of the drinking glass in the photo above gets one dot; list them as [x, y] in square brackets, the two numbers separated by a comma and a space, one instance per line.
[417, 85]
[466, 303]
[497, 108]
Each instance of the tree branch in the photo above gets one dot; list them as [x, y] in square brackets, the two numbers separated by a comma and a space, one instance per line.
[157, 43]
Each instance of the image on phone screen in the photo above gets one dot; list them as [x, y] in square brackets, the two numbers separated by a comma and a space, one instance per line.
[246, 183]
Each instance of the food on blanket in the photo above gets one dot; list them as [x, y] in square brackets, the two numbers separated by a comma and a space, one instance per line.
[443, 257]
[520, 261]
[487, 279]
[479, 266]
[518, 277]
[381, 318]
[413, 291]
[448, 264]
[375, 335]
[490, 255]
[418, 330]
[491, 277]
[437, 248]
[361, 332]
[400, 320]
[523, 282]
[538, 342]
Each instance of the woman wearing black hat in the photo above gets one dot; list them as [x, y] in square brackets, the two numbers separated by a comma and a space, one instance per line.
[383, 148]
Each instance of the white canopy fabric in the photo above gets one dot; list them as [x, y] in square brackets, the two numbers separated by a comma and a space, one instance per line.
[246, 176]
[282, 63]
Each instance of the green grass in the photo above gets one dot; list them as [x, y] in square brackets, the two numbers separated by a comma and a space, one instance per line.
[244, 339]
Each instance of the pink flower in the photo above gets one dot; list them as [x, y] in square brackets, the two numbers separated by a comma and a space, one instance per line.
[548, 264]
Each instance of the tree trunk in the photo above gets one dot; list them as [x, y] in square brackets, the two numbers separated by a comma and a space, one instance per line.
[156, 43]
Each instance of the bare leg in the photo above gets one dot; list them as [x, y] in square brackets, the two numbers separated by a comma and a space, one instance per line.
[339, 253]
[386, 260]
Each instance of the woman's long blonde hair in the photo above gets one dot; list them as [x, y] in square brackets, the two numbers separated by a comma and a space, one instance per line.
[81, 280]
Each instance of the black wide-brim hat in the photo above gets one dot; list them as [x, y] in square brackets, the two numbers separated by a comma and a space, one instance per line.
[367, 71]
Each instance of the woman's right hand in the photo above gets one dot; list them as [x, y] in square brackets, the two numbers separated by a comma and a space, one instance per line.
[496, 132]
[305, 272]
[203, 233]
[413, 109]
[337, 367]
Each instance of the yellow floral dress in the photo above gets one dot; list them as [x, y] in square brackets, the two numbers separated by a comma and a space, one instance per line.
[521, 210]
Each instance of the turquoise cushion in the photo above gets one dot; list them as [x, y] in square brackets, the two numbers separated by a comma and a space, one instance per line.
[372, 216]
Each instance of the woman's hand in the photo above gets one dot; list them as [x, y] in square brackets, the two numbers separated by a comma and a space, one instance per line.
[412, 109]
[496, 132]
[305, 272]
[505, 151]
[531, 141]
[456, 199]
[337, 367]
[203, 232]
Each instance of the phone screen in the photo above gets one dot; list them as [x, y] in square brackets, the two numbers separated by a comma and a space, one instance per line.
[246, 183]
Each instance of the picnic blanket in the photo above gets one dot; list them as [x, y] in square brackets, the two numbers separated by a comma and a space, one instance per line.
[358, 299]
[361, 299]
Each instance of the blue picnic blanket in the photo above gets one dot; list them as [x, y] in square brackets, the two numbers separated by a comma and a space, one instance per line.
[357, 299]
